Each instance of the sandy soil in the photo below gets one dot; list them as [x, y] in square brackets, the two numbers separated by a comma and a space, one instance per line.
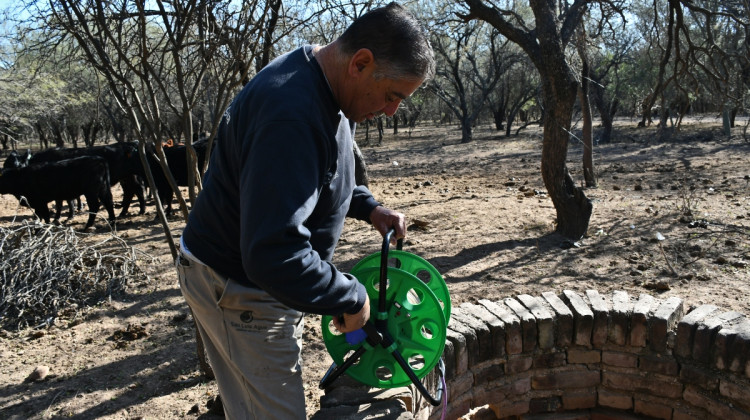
[478, 213]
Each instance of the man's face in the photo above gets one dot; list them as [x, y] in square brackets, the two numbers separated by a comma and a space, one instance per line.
[373, 97]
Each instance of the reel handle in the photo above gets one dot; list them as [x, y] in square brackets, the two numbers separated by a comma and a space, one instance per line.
[384, 269]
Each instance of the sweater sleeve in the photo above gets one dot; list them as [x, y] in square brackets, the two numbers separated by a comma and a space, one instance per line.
[279, 185]
[362, 204]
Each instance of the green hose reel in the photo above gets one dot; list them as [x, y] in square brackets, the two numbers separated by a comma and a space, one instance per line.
[417, 267]
[405, 337]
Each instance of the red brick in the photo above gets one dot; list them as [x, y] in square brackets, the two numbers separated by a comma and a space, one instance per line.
[457, 387]
[456, 409]
[639, 320]
[574, 415]
[513, 336]
[488, 373]
[705, 334]
[739, 350]
[626, 360]
[697, 376]
[449, 357]
[682, 412]
[583, 323]
[601, 307]
[620, 317]
[480, 413]
[604, 414]
[574, 400]
[648, 384]
[510, 408]
[549, 360]
[663, 320]
[544, 320]
[518, 364]
[728, 345]
[481, 395]
[495, 324]
[717, 408]
[656, 364]
[563, 319]
[566, 379]
[472, 341]
[652, 409]
[517, 386]
[481, 330]
[687, 326]
[460, 358]
[738, 394]
[584, 356]
[545, 405]
[614, 399]
[528, 323]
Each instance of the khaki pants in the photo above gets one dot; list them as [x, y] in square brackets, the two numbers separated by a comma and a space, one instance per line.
[253, 343]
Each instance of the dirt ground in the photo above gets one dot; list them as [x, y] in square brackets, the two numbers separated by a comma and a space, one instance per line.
[477, 212]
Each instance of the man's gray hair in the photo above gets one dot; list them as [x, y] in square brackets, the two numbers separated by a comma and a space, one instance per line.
[396, 39]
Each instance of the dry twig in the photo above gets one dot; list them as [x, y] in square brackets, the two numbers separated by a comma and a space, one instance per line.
[45, 269]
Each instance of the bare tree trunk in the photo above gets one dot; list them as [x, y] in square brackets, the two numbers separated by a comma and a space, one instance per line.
[43, 141]
[588, 143]
[380, 131]
[367, 133]
[466, 133]
[73, 134]
[360, 167]
[573, 207]
[588, 134]
[650, 100]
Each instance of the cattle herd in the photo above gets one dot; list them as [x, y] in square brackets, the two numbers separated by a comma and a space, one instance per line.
[66, 174]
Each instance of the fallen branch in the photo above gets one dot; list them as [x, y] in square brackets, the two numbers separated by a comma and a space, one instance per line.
[46, 269]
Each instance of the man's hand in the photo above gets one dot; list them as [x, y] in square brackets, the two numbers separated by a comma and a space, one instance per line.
[384, 219]
[352, 322]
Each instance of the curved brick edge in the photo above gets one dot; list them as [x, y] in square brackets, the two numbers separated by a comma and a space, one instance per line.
[576, 356]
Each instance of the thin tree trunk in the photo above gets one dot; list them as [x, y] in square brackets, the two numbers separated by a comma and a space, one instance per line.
[466, 133]
[360, 167]
[573, 207]
[588, 133]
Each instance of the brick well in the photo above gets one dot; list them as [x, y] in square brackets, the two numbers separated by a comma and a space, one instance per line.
[575, 356]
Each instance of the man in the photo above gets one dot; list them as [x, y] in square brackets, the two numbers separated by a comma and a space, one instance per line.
[256, 251]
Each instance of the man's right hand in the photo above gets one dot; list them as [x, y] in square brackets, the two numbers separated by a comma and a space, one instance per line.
[352, 322]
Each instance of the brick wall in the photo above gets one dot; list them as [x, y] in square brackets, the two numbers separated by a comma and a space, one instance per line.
[576, 356]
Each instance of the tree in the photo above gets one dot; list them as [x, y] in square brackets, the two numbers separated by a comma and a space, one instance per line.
[157, 59]
[583, 98]
[470, 63]
[518, 86]
[704, 53]
[545, 41]
[606, 83]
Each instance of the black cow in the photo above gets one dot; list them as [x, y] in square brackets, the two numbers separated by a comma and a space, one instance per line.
[44, 182]
[124, 165]
[16, 160]
[177, 160]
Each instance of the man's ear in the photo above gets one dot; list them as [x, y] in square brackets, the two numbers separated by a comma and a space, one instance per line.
[361, 62]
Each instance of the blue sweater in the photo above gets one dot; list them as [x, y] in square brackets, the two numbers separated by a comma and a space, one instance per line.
[279, 185]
